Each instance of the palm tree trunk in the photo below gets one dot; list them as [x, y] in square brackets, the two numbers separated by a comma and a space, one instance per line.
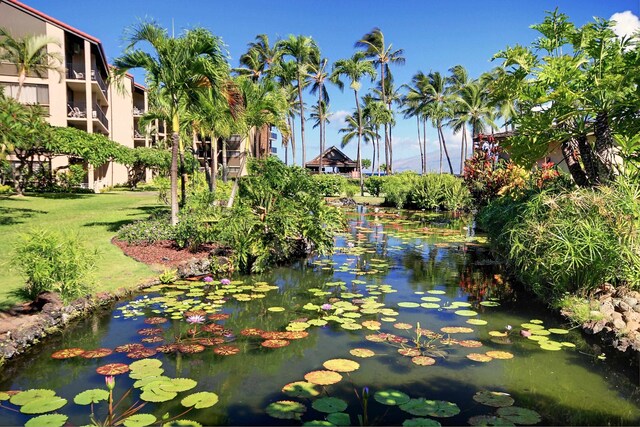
[225, 170]
[390, 167]
[301, 118]
[587, 157]
[359, 143]
[444, 146]
[420, 145]
[604, 147]
[462, 147]
[293, 142]
[440, 148]
[424, 140]
[378, 143]
[21, 78]
[578, 175]
[214, 163]
[175, 141]
[321, 113]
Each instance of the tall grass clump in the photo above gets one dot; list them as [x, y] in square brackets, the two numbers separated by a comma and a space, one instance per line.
[431, 191]
[570, 241]
[51, 261]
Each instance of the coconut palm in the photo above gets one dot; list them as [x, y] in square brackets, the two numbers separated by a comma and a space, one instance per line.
[375, 114]
[285, 73]
[355, 68]
[318, 76]
[320, 115]
[180, 66]
[457, 80]
[268, 55]
[304, 51]
[29, 54]
[375, 48]
[353, 130]
[473, 107]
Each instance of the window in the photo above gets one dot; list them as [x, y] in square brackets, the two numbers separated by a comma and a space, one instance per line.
[31, 94]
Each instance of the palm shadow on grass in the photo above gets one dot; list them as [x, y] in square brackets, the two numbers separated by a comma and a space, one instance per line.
[57, 196]
[114, 226]
[13, 216]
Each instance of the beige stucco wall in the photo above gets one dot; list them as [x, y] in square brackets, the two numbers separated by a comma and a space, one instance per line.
[57, 82]
[121, 124]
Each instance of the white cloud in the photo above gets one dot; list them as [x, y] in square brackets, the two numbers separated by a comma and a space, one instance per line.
[626, 23]
[337, 119]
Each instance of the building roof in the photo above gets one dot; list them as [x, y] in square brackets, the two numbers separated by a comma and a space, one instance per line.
[332, 156]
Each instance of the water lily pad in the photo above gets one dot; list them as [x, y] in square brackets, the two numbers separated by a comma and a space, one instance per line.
[489, 303]
[150, 331]
[329, 405]
[209, 342]
[478, 357]
[351, 326]
[375, 338]
[182, 423]
[536, 321]
[417, 422]
[42, 405]
[409, 352]
[341, 365]
[97, 353]
[323, 377]
[466, 313]
[558, 331]
[276, 309]
[177, 385]
[362, 352]
[470, 343]
[435, 408]
[430, 305]
[91, 396]
[431, 299]
[423, 360]
[545, 345]
[498, 333]
[155, 394]
[403, 326]
[190, 348]
[564, 344]
[4, 396]
[496, 399]
[339, 419]
[372, 325]
[155, 320]
[275, 343]
[500, 354]
[317, 422]
[24, 397]
[489, 420]
[436, 292]
[456, 330]
[391, 397]
[317, 322]
[300, 389]
[67, 353]
[113, 369]
[226, 350]
[286, 410]
[49, 420]
[128, 348]
[142, 354]
[519, 415]
[251, 332]
[532, 326]
[203, 399]
[408, 304]
[477, 322]
[140, 420]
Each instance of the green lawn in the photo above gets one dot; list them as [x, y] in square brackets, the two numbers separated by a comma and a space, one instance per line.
[96, 217]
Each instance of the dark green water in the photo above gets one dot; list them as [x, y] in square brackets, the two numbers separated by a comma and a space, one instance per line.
[569, 386]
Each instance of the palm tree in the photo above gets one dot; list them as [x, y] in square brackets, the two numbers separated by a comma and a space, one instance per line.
[304, 51]
[375, 114]
[473, 107]
[353, 131]
[285, 73]
[320, 114]
[180, 66]
[374, 47]
[29, 54]
[438, 108]
[251, 65]
[355, 68]
[268, 55]
[457, 81]
[318, 75]
[412, 107]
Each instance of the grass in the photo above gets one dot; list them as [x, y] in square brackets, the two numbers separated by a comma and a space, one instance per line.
[95, 217]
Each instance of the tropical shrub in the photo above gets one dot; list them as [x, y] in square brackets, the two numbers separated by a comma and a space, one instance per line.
[569, 241]
[5, 189]
[434, 191]
[373, 185]
[396, 188]
[146, 231]
[71, 178]
[330, 184]
[51, 261]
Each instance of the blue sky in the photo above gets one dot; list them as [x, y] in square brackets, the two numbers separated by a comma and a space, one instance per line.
[434, 34]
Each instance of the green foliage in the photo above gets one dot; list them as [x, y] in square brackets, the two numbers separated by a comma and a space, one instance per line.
[571, 241]
[280, 215]
[168, 276]
[51, 261]
[146, 231]
[434, 191]
[396, 188]
[5, 189]
[71, 178]
[373, 185]
[351, 190]
[330, 184]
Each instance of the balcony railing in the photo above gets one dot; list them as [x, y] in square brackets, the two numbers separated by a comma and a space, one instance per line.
[273, 136]
[75, 72]
[96, 77]
[274, 150]
[78, 110]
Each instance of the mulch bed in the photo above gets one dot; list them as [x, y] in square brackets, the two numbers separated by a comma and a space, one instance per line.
[163, 252]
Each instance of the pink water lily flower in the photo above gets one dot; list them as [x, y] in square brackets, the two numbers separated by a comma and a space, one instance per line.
[196, 318]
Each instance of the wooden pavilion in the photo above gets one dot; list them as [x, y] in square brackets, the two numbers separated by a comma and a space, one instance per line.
[333, 161]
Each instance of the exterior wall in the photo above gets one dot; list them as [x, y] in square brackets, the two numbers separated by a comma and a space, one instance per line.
[103, 109]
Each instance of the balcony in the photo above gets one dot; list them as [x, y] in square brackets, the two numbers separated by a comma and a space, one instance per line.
[78, 111]
[273, 136]
[138, 111]
[77, 72]
[274, 150]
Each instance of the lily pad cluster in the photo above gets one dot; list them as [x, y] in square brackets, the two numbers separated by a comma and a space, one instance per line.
[547, 339]
[506, 414]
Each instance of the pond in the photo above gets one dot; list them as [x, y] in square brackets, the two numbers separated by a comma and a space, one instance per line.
[409, 321]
